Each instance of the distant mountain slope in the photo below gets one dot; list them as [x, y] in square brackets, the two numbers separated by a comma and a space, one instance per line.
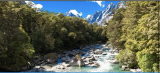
[106, 14]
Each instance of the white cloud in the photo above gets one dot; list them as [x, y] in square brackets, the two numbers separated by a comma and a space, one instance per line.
[100, 3]
[33, 5]
[38, 6]
[75, 12]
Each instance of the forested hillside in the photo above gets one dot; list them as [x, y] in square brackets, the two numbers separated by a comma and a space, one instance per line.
[134, 31]
[24, 32]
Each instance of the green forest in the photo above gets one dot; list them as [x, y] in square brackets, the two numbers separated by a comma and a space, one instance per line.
[134, 31]
[24, 32]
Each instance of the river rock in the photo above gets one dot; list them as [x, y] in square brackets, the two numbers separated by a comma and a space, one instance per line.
[64, 58]
[91, 52]
[83, 58]
[65, 65]
[86, 63]
[98, 51]
[81, 52]
[92, 58]
[77, 61]
[67, 57]
[104, 53]
[103, 49]
[89, 56]
[124, 67]
[114, 61]
[87, 59]
[91, 62]
[104, 45]
[60, 67]
[51, 57]
[112, 52]
[95, 65]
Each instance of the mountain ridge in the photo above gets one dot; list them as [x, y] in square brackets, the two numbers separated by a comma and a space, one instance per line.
[105, 14]
[98, 16]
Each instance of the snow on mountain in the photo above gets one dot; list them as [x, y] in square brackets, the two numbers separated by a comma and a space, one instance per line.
[106, 14]
[88, 16]
[73, 13]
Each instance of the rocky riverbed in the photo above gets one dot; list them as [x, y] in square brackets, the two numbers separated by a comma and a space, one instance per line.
[91, 58]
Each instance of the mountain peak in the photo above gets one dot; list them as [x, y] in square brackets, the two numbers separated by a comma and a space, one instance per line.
[111, 5]
[106, 14]
[73, 13]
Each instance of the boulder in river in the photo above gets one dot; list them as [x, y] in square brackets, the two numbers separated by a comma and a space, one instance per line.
[96, 65]
[92, 64]
[51, 57]
[83, 58]
[92, 58]
[104, 53]
[124, 67]
[65, 65]
[98, 51]
[103, 49]
[114, 61]
[86, 63]
[60, 67]
[77, 61]
[64, 58]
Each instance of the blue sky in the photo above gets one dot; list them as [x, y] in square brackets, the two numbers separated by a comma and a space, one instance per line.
[83, 7]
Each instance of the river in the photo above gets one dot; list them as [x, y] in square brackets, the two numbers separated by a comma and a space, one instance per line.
[103, 61]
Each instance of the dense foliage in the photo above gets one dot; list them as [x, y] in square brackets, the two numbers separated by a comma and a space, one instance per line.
[134, 31]
[24, 31]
